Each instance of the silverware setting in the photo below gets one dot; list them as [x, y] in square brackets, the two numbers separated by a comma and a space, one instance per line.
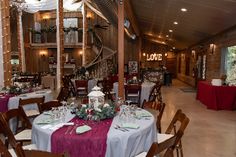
[120, 128]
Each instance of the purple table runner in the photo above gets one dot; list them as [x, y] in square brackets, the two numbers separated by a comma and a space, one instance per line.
[4, 102]
[88, 144]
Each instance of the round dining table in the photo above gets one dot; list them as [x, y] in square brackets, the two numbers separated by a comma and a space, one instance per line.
[118, 143]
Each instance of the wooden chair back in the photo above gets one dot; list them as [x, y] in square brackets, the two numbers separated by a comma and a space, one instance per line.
[3, 150]
[8, 134]
[63, 94]
[177, 127]
[48, 105]
[17, 113]
[28, 102]
[17, 147]
[131, 89]
[171, 144]
[160, 107]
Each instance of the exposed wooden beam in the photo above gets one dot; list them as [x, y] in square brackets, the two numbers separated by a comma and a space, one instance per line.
[6, 42]
[60, 43]
[130, 15]
[121, 48]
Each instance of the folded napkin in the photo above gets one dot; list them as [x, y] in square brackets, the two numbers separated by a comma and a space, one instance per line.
[44, 121]
[130, 125]
[48, 113]
[83, 129]
[142, 114]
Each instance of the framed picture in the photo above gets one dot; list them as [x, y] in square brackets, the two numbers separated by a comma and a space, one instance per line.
[133, 67]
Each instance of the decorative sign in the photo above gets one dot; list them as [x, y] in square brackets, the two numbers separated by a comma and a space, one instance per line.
[154, 57]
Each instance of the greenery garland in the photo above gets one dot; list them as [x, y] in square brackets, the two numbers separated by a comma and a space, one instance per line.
[87, 112]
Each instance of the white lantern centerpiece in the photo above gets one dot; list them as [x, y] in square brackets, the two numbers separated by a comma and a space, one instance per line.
[96, 97]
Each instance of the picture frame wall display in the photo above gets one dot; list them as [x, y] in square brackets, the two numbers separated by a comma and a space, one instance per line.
[133, 67]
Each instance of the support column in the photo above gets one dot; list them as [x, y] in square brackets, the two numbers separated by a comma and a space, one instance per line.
[21, 47]
[84, 34]
[60, 43]
[5, 47]
[1, 50]
[121, 48]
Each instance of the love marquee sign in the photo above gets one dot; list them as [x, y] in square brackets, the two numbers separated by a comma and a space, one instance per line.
[154, 57]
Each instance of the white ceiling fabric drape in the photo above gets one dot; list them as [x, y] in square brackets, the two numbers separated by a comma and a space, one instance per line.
[33, 6]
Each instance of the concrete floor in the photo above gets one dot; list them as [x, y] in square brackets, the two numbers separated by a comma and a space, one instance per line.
[210, 133]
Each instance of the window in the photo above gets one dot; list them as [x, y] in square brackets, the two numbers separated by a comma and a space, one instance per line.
[230, 65]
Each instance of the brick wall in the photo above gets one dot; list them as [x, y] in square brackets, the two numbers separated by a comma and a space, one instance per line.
[213, 58]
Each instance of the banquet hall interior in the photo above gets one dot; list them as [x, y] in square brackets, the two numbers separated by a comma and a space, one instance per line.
[117, 78]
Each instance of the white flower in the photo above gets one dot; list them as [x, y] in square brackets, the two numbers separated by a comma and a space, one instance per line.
[106, 105]
[84, 105]
[17, 89]
[98, 109]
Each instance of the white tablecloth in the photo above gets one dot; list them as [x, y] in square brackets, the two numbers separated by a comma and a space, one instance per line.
[91, 84]
[119, 144]
[14, 102]
[146, 89]
[49, 81]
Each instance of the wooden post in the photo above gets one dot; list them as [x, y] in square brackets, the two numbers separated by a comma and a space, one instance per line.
[60, 43]
[6, 43]
[84, 34]
[121, 48]
[20, 38]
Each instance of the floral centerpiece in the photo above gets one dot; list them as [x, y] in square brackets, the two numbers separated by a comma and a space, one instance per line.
[96, 109]
[87, 112]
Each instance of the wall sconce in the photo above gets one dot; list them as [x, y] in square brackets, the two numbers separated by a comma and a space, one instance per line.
[43, 53]
[193, 53]
[144, 54]
[166, 54]
[212, 48]
[89, 15]
[183, 56]
[46, 17]
[80, 52]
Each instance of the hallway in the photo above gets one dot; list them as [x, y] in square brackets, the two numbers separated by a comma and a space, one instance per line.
[210, 133]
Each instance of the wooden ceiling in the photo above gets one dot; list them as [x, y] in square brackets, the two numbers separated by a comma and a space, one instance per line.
[203, 19]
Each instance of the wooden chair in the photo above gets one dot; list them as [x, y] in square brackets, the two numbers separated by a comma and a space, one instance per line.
[107, 88]
[155, 94]
[133, 93]
[48, 105]
[160, 107]
[3, 150]
[67, 83]
[64, 94]
[26, 106]
[17, 150]
[23, 125]
[81, 87]
[168, 141]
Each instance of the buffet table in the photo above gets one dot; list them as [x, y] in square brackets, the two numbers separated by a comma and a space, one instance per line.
[217, 97]
[117, 143]
[145, 91]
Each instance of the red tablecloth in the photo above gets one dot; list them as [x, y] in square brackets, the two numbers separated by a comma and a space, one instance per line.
[91, 143]
[217, 97]
[4, 102]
